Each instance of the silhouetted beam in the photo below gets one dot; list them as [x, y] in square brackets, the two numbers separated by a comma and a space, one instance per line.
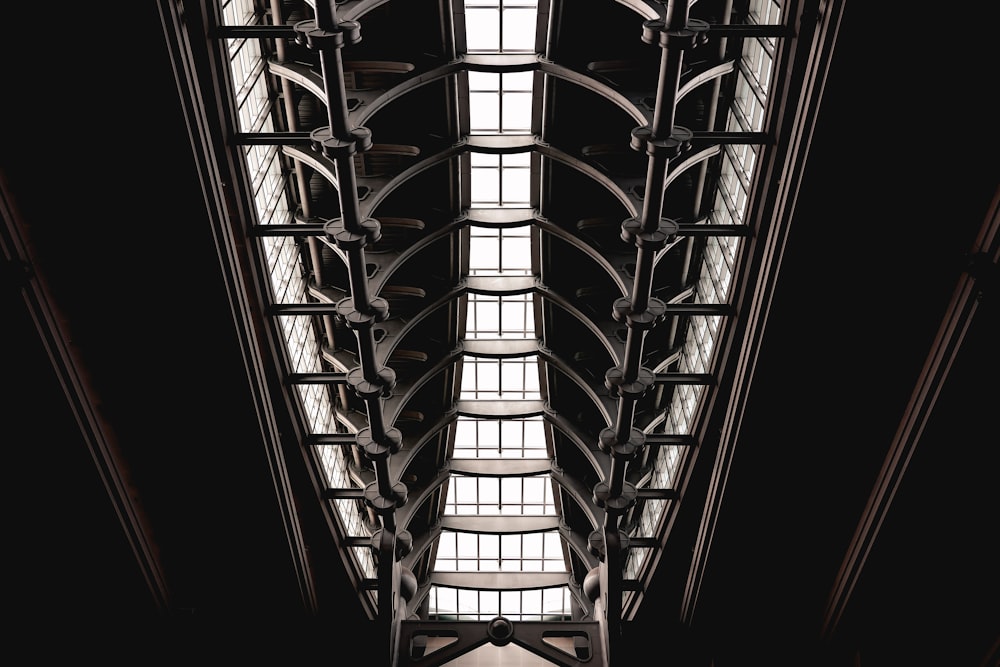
[299, 229]
[316, 378]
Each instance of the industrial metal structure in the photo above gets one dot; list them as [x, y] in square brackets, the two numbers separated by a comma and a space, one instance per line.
[500, 272]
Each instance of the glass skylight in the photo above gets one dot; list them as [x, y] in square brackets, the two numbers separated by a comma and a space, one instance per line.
[499, 181]
[500, 438]
[500, 26]
[500, 104]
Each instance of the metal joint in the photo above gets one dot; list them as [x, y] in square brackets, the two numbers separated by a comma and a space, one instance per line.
[307, 33]
[614, 381]
[608, 443]
[376, 450]
[366, 389]
[384, 505]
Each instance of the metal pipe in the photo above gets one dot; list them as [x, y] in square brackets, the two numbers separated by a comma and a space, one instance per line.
[359, 280]
[642, 283]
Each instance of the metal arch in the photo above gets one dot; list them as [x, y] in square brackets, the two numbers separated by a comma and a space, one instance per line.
[300, 74]
[326, 167]
[397, 335]
[588, 170]
[642, 8]
[452, 151]
[599, 461]
[409, 84]
[397, 332]
[394, 405]
[402, 459]
[594, 85]
[580, 244]
[689, 161]
[565, 304]
[581, 495]
[550, 358]
[404, 514]
[577, 543]
[421, 546]
[709, 74]
[355, 9]
[379, 281]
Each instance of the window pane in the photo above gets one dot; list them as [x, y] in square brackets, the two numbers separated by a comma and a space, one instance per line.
[482, 29]
[519, 29]
[484, 112]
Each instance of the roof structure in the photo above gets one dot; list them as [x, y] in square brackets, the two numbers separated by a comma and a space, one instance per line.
[505, 332]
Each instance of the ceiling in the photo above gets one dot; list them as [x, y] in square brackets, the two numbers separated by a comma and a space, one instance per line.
[99, 176]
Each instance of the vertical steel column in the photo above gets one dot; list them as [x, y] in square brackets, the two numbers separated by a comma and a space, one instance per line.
[351, 233]
[662, 140]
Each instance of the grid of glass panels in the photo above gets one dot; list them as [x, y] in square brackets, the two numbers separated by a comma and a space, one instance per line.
[458, 604]
[500, 181]
[486, 379]
[492, 317]
[500, 26]
[500, 438]
[500, 103]
[504, 496]
[486, 552]
[500, 252]
[287, 275]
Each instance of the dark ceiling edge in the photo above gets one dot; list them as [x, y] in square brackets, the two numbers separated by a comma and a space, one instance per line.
[99, 435]
[781, 192]
[948, 340]
[179, 30]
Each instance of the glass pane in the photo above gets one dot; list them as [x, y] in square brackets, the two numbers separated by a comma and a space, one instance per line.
[531, 545]
[485, 186]
[482, 29]
[468, 545]
[516, 251]
[489, 546]
[489, 491]
[516, 186]
[531, 602]
[446, 546]
[484, 253]
[519, 29]
[484, 112]
[484, 81]
[510, 547]
[516, 112]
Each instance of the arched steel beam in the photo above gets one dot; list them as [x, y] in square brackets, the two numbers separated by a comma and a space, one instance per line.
[500, 467]
[500, 581]
[504, 525]
[709, 74]
[577, 242]
[567, 369]
[401, 460]
[421, 546]
[599, 461]
[405, 514]
[322, 164]
[644, 9]
[580, 546]
[394, 405]
[582, 496]
[688, 162]
[397, 330]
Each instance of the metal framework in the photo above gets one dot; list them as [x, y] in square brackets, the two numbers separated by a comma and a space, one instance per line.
[662, 148]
